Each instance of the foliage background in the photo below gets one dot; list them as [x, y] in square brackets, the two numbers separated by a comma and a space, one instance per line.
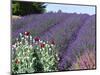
[24, 8]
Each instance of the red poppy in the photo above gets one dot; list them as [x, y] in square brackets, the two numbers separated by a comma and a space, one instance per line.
[26, 33]
[17, 61]
[36, 38]
[52, 42]
[42, 45]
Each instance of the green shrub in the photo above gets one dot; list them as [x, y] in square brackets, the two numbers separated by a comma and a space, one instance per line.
[22, 8]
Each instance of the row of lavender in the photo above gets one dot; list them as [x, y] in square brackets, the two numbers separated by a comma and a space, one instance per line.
[73, 34]
[83, 45]
[36, 23]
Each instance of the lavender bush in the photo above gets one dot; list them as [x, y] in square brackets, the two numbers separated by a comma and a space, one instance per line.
[85, 38]
[85, 61]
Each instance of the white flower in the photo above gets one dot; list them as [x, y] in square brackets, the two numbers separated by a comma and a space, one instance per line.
[20, 42]
[33, 41]
[22, 38]
[30, 37]
[43, 49]
[52, 45]
[31, 46]
[22, 60]
[44, 43]
[20, 34]
[40, 41]
[40, 49]
[27, 57]
[49, 49]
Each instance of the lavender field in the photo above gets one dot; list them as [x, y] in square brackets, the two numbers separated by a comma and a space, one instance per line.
[74, 37]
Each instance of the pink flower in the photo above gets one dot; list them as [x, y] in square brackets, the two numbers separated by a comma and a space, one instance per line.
[26, 33]
[37, 39]
[42, 45]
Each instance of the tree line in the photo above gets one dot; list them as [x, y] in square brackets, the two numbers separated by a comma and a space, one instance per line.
[22, 8]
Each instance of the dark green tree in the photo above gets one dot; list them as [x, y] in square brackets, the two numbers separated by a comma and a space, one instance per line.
[22, 8]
